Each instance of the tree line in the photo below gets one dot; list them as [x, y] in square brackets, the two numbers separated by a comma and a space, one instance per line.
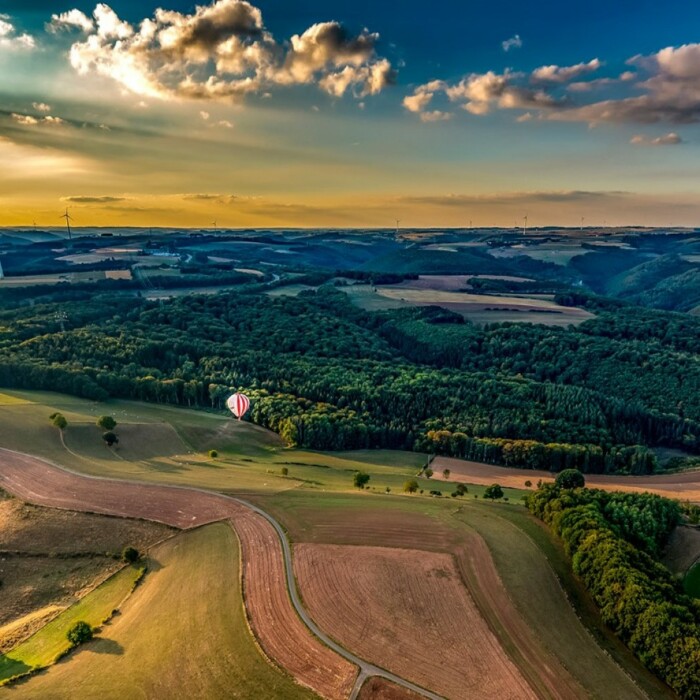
[613, 540]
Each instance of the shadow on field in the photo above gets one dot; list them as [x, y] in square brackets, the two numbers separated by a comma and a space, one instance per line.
[105, 646]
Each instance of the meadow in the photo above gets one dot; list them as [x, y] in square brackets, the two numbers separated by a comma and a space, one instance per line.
[509, 567]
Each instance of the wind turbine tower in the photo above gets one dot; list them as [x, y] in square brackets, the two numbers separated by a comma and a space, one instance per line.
[398, 221]
[524, 224]
[68, 219]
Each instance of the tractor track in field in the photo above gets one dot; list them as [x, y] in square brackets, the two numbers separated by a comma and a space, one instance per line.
[298, 645]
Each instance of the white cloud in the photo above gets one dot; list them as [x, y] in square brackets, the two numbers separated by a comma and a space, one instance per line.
[41, 106]
[28, 120]
[204, 115]
[221, 51]
[515, 42]
[670, 139]
[11, 39]
[564, 74]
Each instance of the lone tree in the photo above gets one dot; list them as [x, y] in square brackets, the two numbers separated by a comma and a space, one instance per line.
[79, 633]
[213, 454]
[428, 473]
[106, 423]
[494, 492]
[360, 479]
[58, 420]
[570, 479]
[110, 438]
[284, 471]
[411, 486]
[445, 474]
[130, 555]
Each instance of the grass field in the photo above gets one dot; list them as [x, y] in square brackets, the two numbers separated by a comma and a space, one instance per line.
[172, 640]
[163, 444]
[50, 642]
[51, 558]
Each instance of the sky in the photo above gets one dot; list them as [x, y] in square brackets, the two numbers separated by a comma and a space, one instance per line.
[350, 114]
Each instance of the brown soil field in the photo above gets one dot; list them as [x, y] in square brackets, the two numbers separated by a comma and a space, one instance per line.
[420, 621]
[682, 485]
[281, 633]
[381, 689]
[540, 667]
[278, 628]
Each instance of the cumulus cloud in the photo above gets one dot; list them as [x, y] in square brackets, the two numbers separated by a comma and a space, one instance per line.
[663, 87]
[221, 51]
[515, 42]
[29, 120]
[670, 139]
[480, 93]
[564, 74]
[41, 106]
[10, 38]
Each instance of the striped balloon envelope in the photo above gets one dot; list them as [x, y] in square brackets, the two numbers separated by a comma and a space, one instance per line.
[238, 404]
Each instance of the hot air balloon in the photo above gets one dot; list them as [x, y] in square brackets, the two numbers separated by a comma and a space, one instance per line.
[238, 404]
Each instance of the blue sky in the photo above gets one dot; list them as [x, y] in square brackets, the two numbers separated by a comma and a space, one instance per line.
[383, 110]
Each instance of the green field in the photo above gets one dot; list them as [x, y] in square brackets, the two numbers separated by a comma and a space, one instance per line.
[173, 640]
[170, 445]
[50, 642]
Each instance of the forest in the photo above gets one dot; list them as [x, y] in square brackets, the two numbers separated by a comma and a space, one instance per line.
[614, 540]
[327, 375]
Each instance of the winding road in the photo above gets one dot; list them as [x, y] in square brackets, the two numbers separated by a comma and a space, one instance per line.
[44, 483]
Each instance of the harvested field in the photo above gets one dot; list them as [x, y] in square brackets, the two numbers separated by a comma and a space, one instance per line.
[277, 626]
[682, 485]
[418, 603]
[380, 689]
[264, 582]
[543, 669]
[478, 308]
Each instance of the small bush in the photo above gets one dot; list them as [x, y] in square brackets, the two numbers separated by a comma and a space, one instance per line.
[106, 423]
[428, 473]
[79, 633]
[59, 421]
[130, 555]
[360, 480]
[528, 483]
[436, 493]
[284, 471]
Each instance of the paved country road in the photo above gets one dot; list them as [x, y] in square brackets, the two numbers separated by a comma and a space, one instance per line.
[41, 482]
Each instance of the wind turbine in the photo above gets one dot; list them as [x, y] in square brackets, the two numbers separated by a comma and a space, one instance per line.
[213, 223]
[524, 224]
[68, 219]
[398, 221]
[583, 218]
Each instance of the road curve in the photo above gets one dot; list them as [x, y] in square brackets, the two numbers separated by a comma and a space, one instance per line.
[42, 482]
[366, 669]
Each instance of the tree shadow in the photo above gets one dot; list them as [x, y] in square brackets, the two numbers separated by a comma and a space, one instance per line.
[102, 645]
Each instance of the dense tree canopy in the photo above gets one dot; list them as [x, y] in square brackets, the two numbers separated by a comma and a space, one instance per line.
[327, 375]
[614, 539]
